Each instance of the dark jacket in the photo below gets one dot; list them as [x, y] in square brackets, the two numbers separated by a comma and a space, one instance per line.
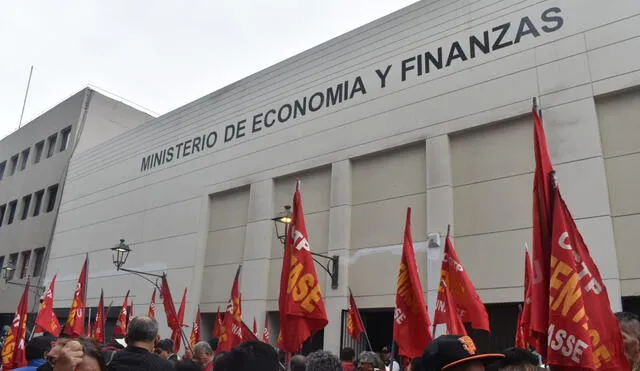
[133, 358]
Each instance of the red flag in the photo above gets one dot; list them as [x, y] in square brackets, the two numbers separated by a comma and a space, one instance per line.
[217, 328]
[14, 350]
[152, 305]
[447, 313]
[583, 331]
[411, 325]
[195, 330]
[89, 329]
[130, 313]
[121, 323]
[98, 327]
[469, 306]
[520, 332]
[265, 333]
[302, 310]
[169, 308]
[355, 327]
[255, 327]
[524, 316]
[176, 334]
[232, 322]
[542, 208]
[247, 334]
[75, 322]
[47, 320]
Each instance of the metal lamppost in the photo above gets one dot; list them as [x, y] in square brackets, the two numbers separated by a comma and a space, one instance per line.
[332, 265]
[7, 275]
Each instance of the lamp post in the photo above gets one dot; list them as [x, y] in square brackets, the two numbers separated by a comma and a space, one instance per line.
[7, 275]
[120, 253]
[332, 265]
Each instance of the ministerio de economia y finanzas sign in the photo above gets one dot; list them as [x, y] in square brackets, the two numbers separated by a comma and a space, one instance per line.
[498, 37]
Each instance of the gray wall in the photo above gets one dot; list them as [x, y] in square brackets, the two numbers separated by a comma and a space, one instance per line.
[454, 144]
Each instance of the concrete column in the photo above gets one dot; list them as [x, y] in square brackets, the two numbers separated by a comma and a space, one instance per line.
[339, 241]
[439, 208]
[257, 251]
[195, 291]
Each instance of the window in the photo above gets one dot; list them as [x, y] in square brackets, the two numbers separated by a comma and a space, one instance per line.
[24, 158]
[37, 265]
[1, 262]
[26, 201]
[13, 260]
[3, 208]
[12, 211]
[51, 198]
[2, 166]
[38, 202]
[24, 265]
[51, 145]
[14, 165]
[65, 136]
[38, 151]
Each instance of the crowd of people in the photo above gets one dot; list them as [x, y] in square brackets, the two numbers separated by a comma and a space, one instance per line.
[142, 349]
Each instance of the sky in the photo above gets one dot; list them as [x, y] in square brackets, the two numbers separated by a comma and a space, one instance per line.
[156, 54]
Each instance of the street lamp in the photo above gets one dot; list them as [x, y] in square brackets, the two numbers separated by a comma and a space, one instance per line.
[332, 266]
[7, 274]
[120, 253]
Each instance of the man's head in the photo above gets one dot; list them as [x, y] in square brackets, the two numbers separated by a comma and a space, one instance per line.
[164, 348]
[517, 359]
[249, 356]
[368, 361]
[386, 354]
[142, 332]
[630, 328]
[347, 354]
[38, 347]
[298, 363]
[322, 360]
[455, 353]
[415, 364]
[213, 343]
[202, 353]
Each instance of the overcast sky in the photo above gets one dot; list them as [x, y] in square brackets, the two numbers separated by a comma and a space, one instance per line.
[159, 54]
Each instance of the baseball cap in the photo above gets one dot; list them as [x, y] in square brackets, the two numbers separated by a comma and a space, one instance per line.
[451, 350]
[519, 356]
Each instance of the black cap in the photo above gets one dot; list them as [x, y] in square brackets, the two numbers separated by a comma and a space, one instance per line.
[519, 356]
[385, 350]
[452, 350]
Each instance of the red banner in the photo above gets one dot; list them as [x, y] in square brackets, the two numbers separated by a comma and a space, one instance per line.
[468, 303]
[447, 313]
[542, 209]
[265, 332]
[355, 327]
[47, 321]
[14, 350]
[131, 316]
[98, 327]
[218, 327]
[411, 325]
[169, 308]
[75, 322]
[152, 305]
[176, 334]
[121, 323]
[302, 310]
[524, 317]
[583, 331]
[255, 327]
[232, 322]
[247, 334]
[195, 330]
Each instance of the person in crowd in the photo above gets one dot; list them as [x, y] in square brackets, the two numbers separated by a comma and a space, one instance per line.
[456, 353]
[164, 348]
[142, 334]
[630, 328]
[187, 365]
[203, 355]
[74, 355]
[386, 357]
[322, 360]
[415, 364]
[213, 343]
[347, 355]
[298, 363]
[369, 361]
[37, 349]
[517, 359]
[248, 356]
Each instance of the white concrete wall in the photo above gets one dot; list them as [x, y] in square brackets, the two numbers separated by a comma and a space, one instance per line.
[460, 152]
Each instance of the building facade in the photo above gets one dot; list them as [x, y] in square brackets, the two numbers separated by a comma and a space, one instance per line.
[33, 167]
[428, 108]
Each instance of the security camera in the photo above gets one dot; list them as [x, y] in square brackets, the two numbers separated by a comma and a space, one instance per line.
[433, 241]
